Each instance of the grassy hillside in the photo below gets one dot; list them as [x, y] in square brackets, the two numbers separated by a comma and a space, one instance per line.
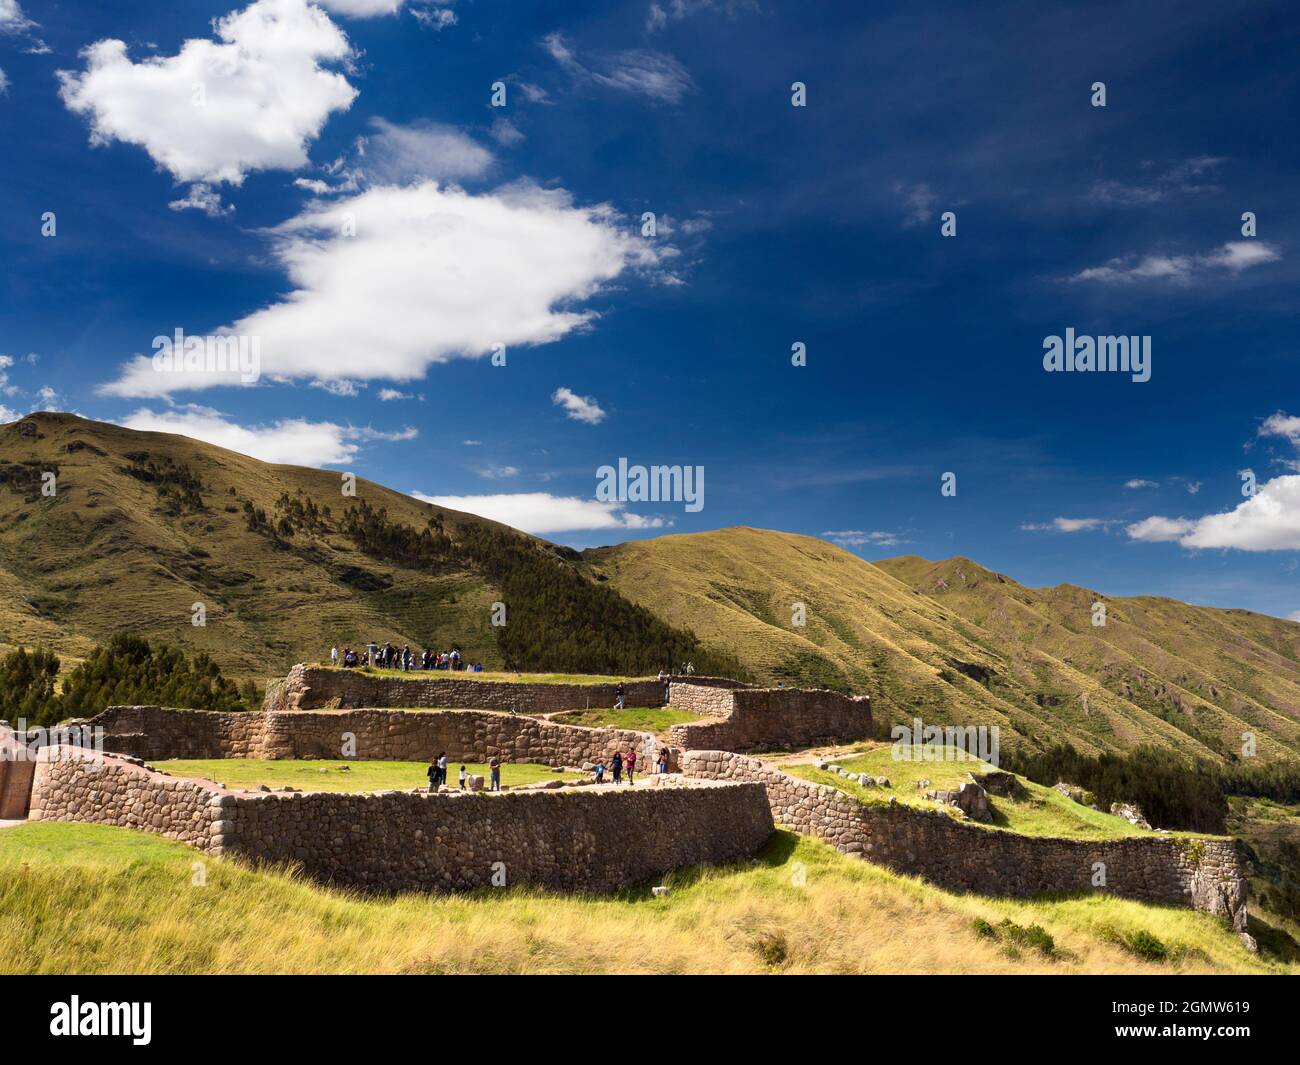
[145, 525]
[92, 899]
[953, 642]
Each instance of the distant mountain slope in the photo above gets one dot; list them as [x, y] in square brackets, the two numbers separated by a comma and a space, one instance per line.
[1214, 673]
[980, 650]
[143, 526]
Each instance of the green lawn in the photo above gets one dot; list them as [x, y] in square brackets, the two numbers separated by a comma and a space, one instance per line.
[1042, 811]
[499, 675]
[331, 775]
[656, 719]
[91, 899]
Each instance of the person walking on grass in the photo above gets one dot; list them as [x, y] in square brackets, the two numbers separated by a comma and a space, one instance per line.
[630, 762]
[616, 764]
[494, 769]
[462, 778]
[334, 656]
[433, 776]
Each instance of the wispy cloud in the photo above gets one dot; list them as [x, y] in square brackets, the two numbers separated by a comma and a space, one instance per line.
[642, 72]
[1230, 259]
[541, 513]
[863, 538]
[1187, 177]
[1070, 525]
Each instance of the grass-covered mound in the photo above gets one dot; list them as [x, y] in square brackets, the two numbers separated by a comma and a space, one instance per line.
[1036, 811]
[656, 719]
[350, 776]
[91, 899]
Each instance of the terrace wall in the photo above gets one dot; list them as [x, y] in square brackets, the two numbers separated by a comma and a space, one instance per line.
[320, 688]
[578, 839]
[1205, 874]
[749, 719]
[154, 733]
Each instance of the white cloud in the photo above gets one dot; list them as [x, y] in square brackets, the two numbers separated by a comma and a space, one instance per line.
[506, 133]
[4, 83]
[291, 440]
[361, 8]
[540, 513]
[640, 71]
[203, 198]
[1139, 482]
[387, 395]
[264, 93]
[579, 408]
[435, 17]
[1233, 257]
[1193, 487]
[1287, 426]
[1069, 525]
[863, 537]
[396, 154]
[12, 19]
[431, 274]
[1267, 521]
[919, 201]
[497, 473]
[1294, 616]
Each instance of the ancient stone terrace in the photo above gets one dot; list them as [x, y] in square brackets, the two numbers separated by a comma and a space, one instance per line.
[765, 719]
[571, 839]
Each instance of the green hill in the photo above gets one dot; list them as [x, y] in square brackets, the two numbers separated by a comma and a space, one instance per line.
[144, 526]
[954, 642]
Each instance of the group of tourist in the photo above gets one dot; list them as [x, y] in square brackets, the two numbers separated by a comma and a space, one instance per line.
[390, 657]
[437, 773]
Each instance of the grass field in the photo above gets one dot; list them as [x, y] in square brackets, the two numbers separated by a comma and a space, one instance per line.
[656, 719]
[1041, 811]
[93, 899]
[327, 775]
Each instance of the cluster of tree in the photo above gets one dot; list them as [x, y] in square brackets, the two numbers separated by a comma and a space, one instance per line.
[1279, 781]
[1172, 792]
[128, 671]
[393, 542]
[559, 620]
[24, 478]
[180, 489]
[299, 514]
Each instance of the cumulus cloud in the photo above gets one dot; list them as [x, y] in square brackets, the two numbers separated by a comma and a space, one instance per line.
[430, 274]
[1232, 258]
[541, 513]
[251, 99]
[201, 197]
[643, 72]
[1069, 525]
[579, 408]
[1139, 482]
[293, 441]
[1267, 521]
[863, 538]
[436, 17]
[361, 8]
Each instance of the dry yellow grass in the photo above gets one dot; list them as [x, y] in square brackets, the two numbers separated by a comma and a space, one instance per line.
[89, 899]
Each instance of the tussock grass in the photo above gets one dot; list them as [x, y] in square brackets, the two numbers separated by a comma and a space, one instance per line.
[92, 899]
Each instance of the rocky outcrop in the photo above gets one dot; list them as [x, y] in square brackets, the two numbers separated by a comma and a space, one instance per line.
[1203, 873]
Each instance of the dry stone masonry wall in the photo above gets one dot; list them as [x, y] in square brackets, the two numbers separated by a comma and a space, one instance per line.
[756, 719]
[321, 688]
[154, 733]
[1205, 874]
[579, 839]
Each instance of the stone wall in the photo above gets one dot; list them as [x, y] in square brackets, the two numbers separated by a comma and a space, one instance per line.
[755, 719]
[575, 839]
[318, 687]
[1205, 874]
[155, 733]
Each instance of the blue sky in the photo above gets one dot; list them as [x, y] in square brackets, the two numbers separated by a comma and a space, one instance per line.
[336, 183]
